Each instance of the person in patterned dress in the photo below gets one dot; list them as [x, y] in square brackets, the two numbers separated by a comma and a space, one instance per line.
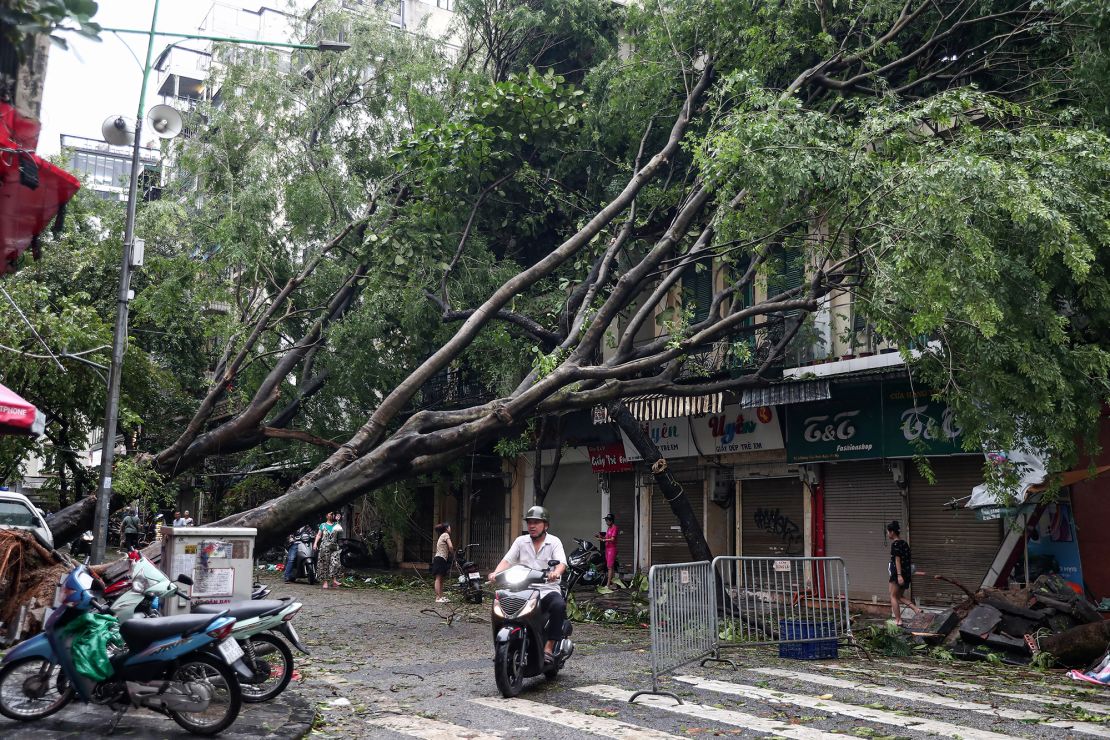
[327, 550]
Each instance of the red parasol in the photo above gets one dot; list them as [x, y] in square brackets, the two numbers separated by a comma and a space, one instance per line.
[18, 416]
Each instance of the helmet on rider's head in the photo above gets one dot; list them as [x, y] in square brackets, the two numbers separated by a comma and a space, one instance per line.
[536, 512]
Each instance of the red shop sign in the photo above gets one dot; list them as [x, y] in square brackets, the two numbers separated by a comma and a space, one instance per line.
[609, 459]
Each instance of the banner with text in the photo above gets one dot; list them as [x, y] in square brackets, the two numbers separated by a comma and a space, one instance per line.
[609, 459]
[882, 420]
[733, 430]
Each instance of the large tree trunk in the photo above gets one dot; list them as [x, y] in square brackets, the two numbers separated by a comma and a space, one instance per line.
[668, 486]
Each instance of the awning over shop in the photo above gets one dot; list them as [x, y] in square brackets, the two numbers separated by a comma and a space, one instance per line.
[785, 393]
[657, 406]
[18, 416]
[31, 189]
[1031, 472]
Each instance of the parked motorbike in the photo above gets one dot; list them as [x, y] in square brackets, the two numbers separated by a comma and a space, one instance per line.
[268, 660]
[81, 546]
[161, 668]
[585, 566]
[520, 628]
[356, 553]
[470, 580]
[304, 562]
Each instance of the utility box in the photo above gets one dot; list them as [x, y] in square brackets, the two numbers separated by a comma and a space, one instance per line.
[220, 560]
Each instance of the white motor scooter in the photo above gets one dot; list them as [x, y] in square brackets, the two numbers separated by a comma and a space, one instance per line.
[266, 654]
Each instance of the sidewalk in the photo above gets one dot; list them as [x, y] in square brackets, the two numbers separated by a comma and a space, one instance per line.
[287, 717]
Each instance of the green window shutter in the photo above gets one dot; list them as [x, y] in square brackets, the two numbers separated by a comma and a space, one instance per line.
[697, 288]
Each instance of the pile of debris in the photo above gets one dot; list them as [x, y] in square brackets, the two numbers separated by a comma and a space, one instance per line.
[28, 575]
[1016, 624]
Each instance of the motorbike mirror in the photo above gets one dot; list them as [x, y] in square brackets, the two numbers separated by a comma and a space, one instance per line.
[182, 578]
[552, 563]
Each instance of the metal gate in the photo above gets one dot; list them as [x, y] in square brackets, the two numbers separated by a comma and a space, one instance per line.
[860, 498]
[487, 525]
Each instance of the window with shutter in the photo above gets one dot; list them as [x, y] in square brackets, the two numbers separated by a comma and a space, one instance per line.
[697, 288]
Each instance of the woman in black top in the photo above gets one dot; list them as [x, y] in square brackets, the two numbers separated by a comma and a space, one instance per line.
[901, 570]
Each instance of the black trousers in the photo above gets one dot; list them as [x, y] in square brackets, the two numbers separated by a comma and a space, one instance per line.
[131, 539]
[556, 607]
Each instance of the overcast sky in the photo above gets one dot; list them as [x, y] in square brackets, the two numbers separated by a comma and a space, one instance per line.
[93, 80]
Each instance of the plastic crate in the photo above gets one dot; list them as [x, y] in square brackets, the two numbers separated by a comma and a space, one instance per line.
[799, 630]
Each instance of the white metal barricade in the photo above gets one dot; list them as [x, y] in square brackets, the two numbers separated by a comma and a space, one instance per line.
[781, 600]
[683, 619]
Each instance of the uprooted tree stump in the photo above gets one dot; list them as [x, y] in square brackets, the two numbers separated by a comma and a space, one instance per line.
[1077, 647]
[28, 575]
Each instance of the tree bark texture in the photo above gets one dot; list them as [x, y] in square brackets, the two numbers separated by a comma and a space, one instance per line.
[667, 486]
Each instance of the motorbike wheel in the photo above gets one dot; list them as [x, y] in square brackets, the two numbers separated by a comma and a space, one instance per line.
[552, 672]
[276, 659]
[28, 693]
[507, 668]
[213, 675]
[310, 573]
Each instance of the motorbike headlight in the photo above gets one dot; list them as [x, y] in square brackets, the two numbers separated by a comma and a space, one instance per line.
[529, 607]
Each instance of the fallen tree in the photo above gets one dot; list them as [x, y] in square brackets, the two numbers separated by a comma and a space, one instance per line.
[896, 154]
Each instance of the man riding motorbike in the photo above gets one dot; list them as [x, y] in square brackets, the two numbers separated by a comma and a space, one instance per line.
[535, 550]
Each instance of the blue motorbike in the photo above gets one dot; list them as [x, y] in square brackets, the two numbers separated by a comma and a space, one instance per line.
[166, 664]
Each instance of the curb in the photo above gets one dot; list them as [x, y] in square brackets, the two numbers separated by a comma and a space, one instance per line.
[287, 717]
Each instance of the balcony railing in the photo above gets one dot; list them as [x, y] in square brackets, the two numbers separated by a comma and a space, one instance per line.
[454, 388]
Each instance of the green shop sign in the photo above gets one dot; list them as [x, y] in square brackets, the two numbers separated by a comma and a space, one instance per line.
[880, 420]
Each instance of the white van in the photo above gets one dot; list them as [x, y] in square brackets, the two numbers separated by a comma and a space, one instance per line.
[17, 512]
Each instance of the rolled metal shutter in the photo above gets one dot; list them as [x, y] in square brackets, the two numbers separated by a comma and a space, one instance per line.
[622, 505]
[667, 543]
[773, 517]
[860, 499]
[947, 541]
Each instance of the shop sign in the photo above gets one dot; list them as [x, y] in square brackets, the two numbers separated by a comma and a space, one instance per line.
[609, 459]
[671, 436]
[845, 427]
[737, 430]
[890, 420]
[733, 430]
[911, 417]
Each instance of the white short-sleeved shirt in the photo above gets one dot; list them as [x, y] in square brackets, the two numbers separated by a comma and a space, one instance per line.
[523, 553]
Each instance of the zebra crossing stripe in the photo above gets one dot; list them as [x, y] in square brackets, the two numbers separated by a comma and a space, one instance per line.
[713, 714]
[575, 720]
[1086, 728]
[1035, 698]
[868, 714]
[428, 729]
[1062, 692]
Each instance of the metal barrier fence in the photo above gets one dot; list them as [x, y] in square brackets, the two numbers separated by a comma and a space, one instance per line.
[683, 618]
[698, 609]
[781, 600]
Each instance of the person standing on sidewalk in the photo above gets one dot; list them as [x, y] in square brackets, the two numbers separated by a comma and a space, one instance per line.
[901, 571]
[327, 549]
[441, 562]
[609, 541]
[130, 527]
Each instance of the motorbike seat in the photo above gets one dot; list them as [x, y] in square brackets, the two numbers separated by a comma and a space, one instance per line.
[145, 631]
[242, 609]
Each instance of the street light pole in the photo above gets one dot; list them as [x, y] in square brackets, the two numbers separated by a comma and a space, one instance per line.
[119, 337]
